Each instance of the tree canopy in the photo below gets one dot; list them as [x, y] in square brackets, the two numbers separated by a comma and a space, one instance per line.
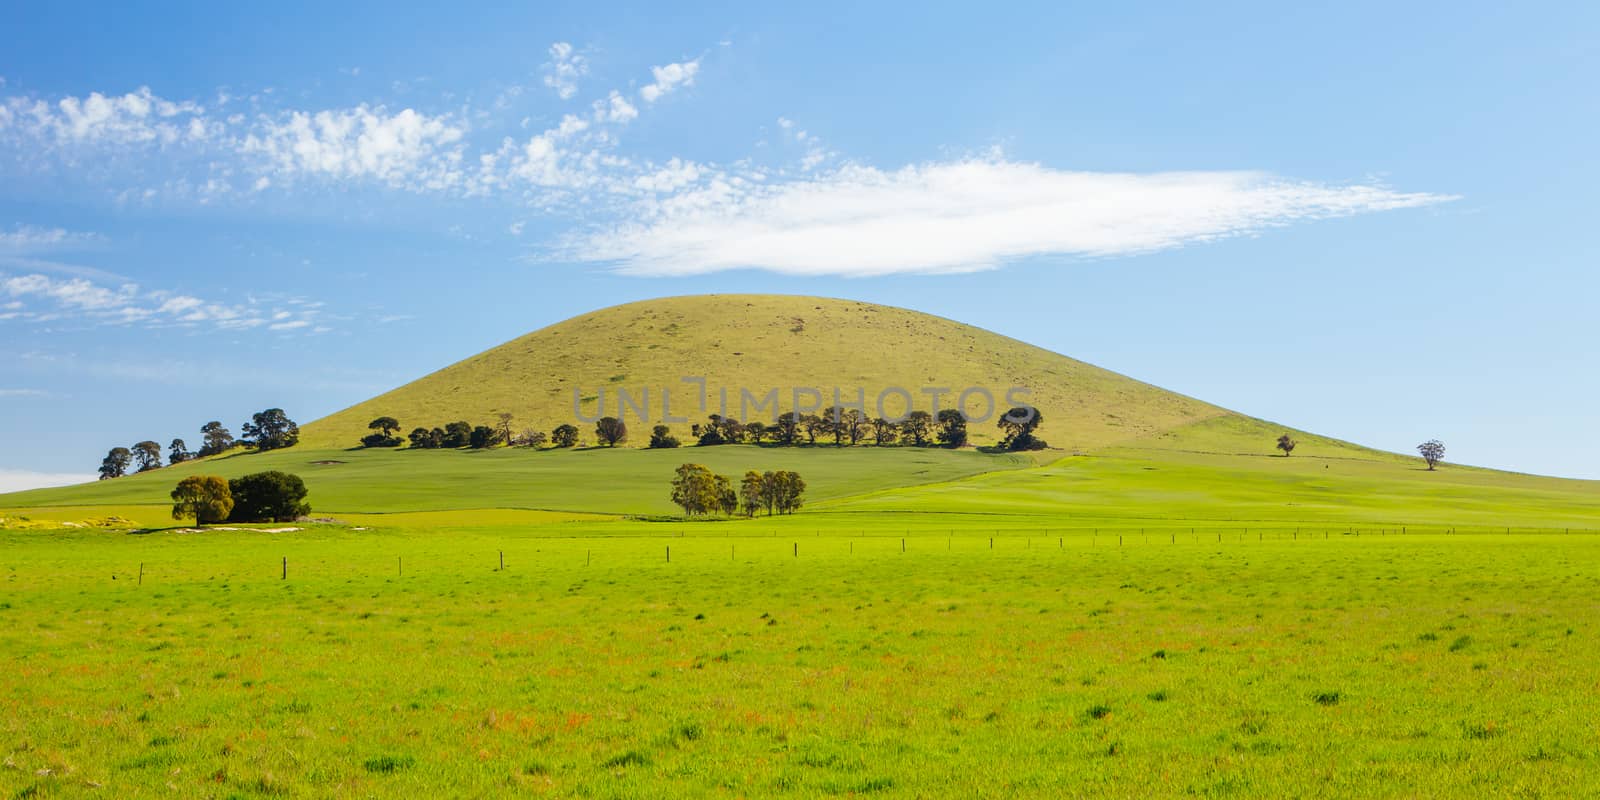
[204, 498]
[270, 496]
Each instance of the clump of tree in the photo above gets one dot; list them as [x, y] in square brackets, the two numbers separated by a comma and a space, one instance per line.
[1018, 424]
[271, 430]
[115, 464]
[457, 434]
[383, 435]
[779, 491]
[426, 439]
[203, 498]
[564, 435]
[1432, 452]
[483, 437]
[884, 432]
[1286, 443]
[270, 496]
[661, 437]
[694, 489]
[178, 452]
[720, 430]
[952, 428]
[611, 430]
[147, 455]
[214, 439]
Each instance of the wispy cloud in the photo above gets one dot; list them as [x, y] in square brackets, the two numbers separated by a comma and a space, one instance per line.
[24, 393]
[669, 78]
[562, 71]
[959, 216]
[39, 298]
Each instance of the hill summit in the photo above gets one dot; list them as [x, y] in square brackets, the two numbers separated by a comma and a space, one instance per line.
[679, 359]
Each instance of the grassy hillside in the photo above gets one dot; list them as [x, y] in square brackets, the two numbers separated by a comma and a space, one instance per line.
[595, 480]
[758, 343]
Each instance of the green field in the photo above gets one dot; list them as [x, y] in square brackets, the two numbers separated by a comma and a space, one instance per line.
[1159, 605]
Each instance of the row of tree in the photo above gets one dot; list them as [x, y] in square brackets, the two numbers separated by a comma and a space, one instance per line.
[700, 492]
[260, 497]
[267, 430]
[919, 428]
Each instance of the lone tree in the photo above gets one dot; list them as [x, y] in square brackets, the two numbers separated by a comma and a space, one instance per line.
[952, 428]
[916, 427]
[115, 464]
[384, 436]
[565, 435]
[148, 454]
[1018, 425]
[1286, 443]
[205, 498]
[1432, 452]
[611, 431]
[504, 426]
[268, 497]
[179, 452]
[214, 438]
[271, 430]
[661, 437]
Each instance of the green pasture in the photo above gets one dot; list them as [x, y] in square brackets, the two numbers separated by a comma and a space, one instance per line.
[763, 659]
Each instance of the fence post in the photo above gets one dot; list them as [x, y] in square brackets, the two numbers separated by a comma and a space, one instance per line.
[285, 568]
[399, 567]
[141, 573]
[669, 554]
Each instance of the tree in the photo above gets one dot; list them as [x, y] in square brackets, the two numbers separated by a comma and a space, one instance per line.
[720, 430]
[787, 428]
[206, 498]
[611, 431]
[115, 464]
[727, 498]
[756, 430]
[384, 425]
[694, 489]
[179, 452]
[385, 428]
[148, 454]
[833, 422]
[786, 489]
[505, 426]
[530, 438]
[422, 439]
[883, 431]
[271, 430]
[457, 434]
[1286, 444]
[1018, 425]
[751, 494]
[952, 427]
[855, 425]
[271, 496]
[661, 437]
[916, 427]
[1432, 452]
[483, 437]
[815, 426]
[565, 435]
[214, 439]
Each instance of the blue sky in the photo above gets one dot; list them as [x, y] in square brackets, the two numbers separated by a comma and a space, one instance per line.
[1370, 221]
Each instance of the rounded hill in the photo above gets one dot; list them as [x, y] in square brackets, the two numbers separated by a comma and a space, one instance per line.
[766, 354]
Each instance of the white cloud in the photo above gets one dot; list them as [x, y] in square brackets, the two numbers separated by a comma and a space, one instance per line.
[40, 298]
[19, 480]
[31, 239]
[615, 108]
[959, 216]
[405, 149]
[669, 78]
[563, 70]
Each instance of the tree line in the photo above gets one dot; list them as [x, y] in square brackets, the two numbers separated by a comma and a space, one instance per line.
[919, 429]
[700, 492]
[270, 496]
[267, 430]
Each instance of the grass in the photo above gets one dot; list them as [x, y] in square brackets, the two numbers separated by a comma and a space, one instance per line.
[757, 343]
[591, 666]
